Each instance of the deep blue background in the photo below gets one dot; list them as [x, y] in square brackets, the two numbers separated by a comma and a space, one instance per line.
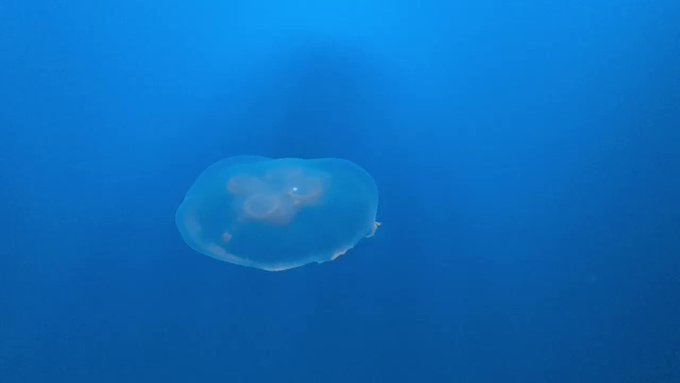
[527, 153]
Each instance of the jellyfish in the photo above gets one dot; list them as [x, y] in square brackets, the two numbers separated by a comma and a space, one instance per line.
[278, 214]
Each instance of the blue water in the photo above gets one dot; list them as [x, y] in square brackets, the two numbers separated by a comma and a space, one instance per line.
[527, 155]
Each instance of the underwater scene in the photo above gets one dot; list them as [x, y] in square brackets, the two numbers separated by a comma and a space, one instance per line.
[340, 191]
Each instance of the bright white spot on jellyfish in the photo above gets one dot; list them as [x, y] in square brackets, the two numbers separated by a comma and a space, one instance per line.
[278, 214]
[306, 191]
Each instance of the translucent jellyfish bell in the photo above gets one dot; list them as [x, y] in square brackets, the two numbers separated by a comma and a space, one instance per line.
[277, 214]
